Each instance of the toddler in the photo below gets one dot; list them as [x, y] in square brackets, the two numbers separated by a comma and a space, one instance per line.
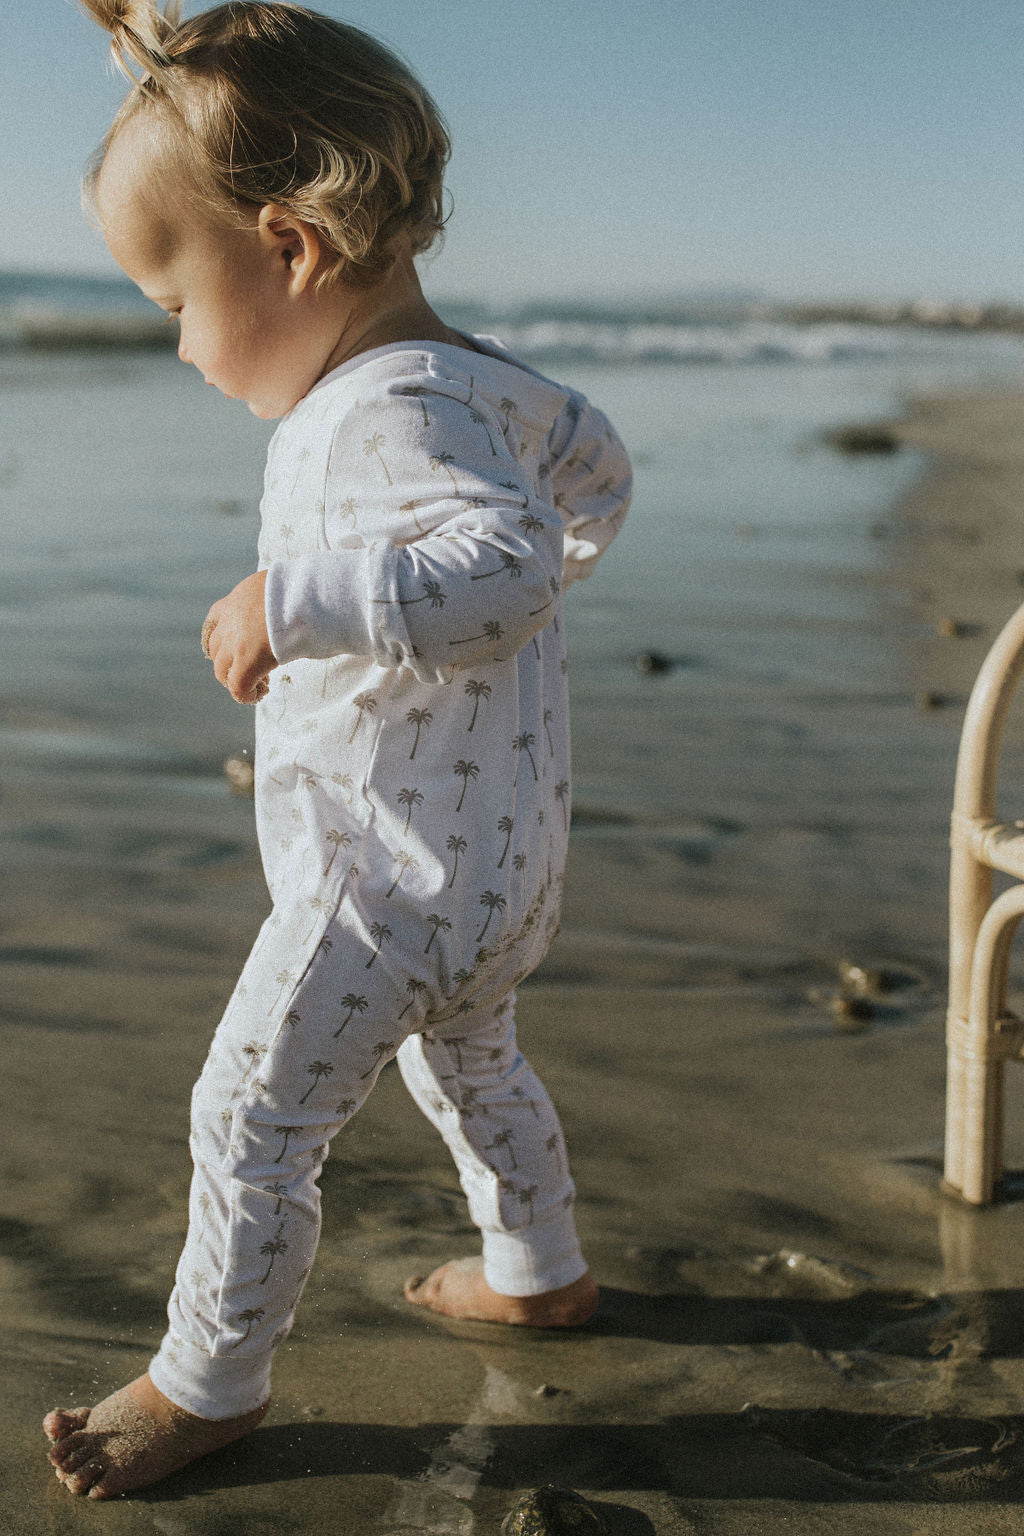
[269, 180]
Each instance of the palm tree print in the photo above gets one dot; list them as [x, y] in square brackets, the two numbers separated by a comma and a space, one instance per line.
[439, 923]
[286, 1131]
[292, 1018]
[530, 523]
[419, 718]
[439, 461]
[255, 1053]
[431, 591]
[505, 824]
[345, 1108]
[378, 1052]
[373, 445]
[284, 681]
[554, 588]
[465, 771]
[319, 906]
[523, 743]
[248, 1317]
[287, 532]
[317, 1069]
[476, 690]
[492, 631]
[273, 1247]
[495, 903]
[481, 421]
[278, 1189]
[363, 702]
[355, 1004]
[455, 845]
[561, 792]
[339, 839]
[510, 485]
[414, 987]
[455, 1045]
[346, 782]
[347, 509]
[411, 506]
[527, 1196]
[206, 1206]
[406, 861]
[410, 798]
[284, 979]
[417, 391]
[576, 459]
[519, 863]
[510, 565]
[505, 1139]
[554, 1145]
[381, 934]
[549, 715]
[510, 408]
[460, 978]
[607, 488]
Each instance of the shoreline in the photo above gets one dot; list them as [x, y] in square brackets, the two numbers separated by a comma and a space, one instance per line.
[794, 1319]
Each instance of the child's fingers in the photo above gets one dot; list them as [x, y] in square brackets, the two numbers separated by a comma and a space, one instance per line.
[247, 681]
[204, 640]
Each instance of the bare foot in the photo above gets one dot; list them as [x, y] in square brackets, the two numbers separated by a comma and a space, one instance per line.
[132, 1439]
[458, 1289]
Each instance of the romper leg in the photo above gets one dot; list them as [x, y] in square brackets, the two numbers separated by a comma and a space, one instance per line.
[296, 1054]
[502, 1130]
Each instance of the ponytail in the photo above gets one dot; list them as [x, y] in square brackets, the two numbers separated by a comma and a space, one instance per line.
[138, 31]
[259, 101]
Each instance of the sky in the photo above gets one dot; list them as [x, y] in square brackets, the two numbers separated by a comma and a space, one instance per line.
[637, 149]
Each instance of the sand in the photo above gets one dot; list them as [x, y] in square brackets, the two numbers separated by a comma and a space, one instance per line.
[798, 1332]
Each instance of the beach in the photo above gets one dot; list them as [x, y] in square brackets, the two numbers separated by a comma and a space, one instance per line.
[798, 1331]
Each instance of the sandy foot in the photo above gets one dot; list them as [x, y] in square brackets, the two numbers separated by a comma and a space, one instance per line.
[133, 1438]
[458, 1289]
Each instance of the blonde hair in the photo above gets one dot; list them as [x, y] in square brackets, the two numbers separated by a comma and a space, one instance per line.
[263, 102]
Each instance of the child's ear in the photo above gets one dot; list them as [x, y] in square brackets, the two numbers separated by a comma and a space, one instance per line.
[292, 245]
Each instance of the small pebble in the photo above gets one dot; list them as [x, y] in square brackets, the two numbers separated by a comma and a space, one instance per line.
[652, 661]
[859, 979]
[951, 629]
[240, 774]
[546, 1390]
[927, 700]
[229, 506]
[551, 1511]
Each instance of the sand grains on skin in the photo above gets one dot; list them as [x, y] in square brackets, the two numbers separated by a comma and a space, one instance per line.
[133, 1438]
[458, 1289]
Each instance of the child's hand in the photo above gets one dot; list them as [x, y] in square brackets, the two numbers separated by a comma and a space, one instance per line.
[235, 639]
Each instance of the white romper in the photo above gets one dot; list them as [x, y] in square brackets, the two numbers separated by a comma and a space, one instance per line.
[424, 508]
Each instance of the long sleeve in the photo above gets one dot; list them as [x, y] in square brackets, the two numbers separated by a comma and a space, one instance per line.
[440, 549]
[592, 481]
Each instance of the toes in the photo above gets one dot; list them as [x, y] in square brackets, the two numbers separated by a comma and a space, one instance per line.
[67, 1458]
[412, 1288]
[64, 1421]
[107, 1486]
[82, 1481]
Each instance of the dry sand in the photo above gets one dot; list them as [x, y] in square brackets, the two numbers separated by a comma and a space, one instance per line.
[798, 1333]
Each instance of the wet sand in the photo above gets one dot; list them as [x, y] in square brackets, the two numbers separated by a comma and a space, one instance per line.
[797, 1331]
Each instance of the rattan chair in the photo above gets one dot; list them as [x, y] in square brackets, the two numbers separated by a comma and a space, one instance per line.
[981, 1035]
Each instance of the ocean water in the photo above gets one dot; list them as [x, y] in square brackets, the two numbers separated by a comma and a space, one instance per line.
[129, 497]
